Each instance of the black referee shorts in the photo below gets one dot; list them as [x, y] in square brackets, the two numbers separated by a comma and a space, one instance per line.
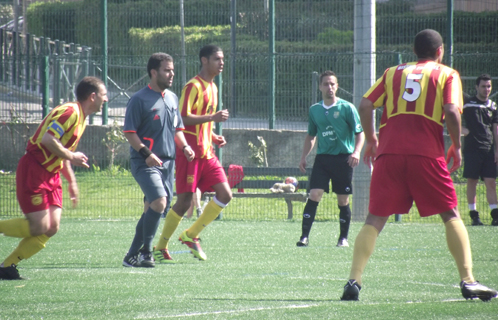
[333, 168]
[479, 164]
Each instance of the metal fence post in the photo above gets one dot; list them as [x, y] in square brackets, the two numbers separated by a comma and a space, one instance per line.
[271, 56]
[27, 66]
[41, 66]
[219, 127]
[56, 81]
[6, 55]
[14, 57]
[45, 84]
[314, 87]
[2, 34]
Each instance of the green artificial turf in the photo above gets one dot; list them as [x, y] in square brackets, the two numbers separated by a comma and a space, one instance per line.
[254, 271]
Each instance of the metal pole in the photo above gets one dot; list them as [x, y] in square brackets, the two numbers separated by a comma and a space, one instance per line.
[449, 41]
[183, 59]
[271, 55]
[233, 54]
[28, 62]
[364, 77]
[3, 33]
[218, 80]
[16, 15]
[45, 78]
[104, 55]
[314, 87]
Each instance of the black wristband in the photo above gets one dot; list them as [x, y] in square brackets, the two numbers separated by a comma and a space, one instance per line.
[144, 152]
[185, 147]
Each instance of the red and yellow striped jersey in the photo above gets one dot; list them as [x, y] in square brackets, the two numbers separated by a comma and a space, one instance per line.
[413, 95]
[65, 122]
[199, 98]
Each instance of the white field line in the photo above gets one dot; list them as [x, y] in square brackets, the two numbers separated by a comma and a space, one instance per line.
[195, 314]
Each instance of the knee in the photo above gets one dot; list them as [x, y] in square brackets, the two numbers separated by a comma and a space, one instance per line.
[182, 205]
[52, 231]
[224, 197]
[316, 195]
[37, 229]
[159, 205]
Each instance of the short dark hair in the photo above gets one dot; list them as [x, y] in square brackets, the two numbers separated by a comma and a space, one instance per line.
[426, 43]
[327, 73]
[207, 51]
[484, 77]
[155, 61]
[87, 86]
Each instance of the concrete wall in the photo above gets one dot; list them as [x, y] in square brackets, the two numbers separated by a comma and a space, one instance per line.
[284, 146]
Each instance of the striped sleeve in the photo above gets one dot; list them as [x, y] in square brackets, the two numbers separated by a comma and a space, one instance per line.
[188, 99]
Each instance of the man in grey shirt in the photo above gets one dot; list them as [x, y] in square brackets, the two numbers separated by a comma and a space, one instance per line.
[152, 126]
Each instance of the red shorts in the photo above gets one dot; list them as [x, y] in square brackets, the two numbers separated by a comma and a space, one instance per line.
[200, 173]
[398, 180]
[36, 188]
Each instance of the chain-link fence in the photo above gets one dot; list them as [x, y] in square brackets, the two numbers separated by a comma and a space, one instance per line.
[310, 36]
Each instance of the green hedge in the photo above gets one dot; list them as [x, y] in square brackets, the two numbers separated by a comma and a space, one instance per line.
[80, 22]
[55, 20]
[296, 21]
[468, 27]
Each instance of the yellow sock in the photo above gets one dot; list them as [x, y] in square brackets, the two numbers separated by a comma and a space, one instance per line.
[26, 248]
[363, 248]
[17, 228]
[171, 222]
[210, 213]
[459, 245]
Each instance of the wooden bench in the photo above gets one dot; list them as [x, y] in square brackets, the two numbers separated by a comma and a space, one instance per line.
[301, 195]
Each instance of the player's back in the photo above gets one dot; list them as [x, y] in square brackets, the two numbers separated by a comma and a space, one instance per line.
[413, 95]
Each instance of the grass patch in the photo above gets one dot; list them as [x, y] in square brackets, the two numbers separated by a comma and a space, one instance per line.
[253, 271]
[116, 195]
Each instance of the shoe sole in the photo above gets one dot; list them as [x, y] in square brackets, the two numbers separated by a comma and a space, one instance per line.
[129, 265]
[483, 297]
[350, 296]
[11, 279]
[162, 260]
[300, 244]
[194, 252]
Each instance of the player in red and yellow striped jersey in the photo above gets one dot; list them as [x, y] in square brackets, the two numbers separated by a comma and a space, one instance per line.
[50, 151]
[198, 107]
[409, 156]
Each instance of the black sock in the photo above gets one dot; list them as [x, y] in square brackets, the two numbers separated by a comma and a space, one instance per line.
[138, 239]
[344, 220]
[494, 214]
[151, 223]
[308, 217]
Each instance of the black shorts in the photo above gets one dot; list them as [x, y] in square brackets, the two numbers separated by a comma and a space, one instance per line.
[332, 167]
[479, 164]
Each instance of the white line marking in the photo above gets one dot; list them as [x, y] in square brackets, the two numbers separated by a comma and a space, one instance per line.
[226, 312]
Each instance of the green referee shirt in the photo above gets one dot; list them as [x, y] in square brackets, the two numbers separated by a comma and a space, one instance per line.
[335, 127]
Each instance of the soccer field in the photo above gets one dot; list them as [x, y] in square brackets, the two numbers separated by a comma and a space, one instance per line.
[254, 271]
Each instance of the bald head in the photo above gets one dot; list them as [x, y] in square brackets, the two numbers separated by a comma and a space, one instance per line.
[426, 43]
